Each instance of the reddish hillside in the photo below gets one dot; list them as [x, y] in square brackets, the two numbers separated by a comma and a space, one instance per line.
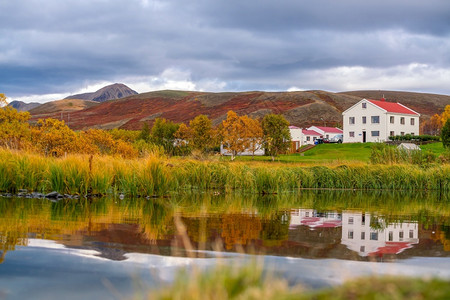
[300, 108]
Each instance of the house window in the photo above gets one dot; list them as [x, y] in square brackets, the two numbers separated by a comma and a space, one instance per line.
[374, 236]
[350, 234]
[392, 119]
[391, 133]
[308, 138]
[351, 120]
[364, 120]
[362, 249]
[411, 234]
[307, 214]
[402, 133]
[402, 120]
[363, 235]
[327, 136]
[364, 105]
[412, 133]
[412, 121]
[400, 235]
[391, 236]
[375, 133]
[350, 220]
[314, 138]
[351, 134]
[375, 119]
[363, 219]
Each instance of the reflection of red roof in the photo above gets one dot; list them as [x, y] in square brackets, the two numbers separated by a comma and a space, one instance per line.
[392, 248]
[316, 222]
[310, 132]
[393, 107]
[330, 224]
[330, 129]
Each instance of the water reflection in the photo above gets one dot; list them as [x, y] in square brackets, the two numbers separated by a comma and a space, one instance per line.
[343, 225]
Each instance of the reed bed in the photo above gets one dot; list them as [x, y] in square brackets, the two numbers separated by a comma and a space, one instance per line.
[154, 175]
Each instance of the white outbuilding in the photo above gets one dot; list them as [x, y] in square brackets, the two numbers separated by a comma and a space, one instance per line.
[376, 120]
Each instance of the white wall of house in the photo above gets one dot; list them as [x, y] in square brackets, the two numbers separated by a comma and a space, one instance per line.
[296, 136]
[376, 124]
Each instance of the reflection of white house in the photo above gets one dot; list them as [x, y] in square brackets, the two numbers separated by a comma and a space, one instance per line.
[375, 121]
[359, 236]
[314, 219]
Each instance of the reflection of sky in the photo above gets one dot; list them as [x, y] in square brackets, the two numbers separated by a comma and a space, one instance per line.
[47, 270]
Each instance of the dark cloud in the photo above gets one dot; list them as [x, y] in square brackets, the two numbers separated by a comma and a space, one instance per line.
[55, 46]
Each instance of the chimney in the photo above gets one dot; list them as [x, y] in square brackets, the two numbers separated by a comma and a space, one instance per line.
[383, 99]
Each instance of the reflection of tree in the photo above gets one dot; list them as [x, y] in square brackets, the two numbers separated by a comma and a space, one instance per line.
[239, 229]
[442, 235]
[276, 229]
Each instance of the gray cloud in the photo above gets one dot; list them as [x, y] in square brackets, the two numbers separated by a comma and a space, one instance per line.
[60, 46]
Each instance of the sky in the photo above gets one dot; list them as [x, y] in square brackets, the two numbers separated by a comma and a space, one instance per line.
[51, 49]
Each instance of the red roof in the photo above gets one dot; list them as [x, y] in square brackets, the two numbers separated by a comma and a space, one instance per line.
[330, 129]
[393, 107]
[310, 132]
[293, 127]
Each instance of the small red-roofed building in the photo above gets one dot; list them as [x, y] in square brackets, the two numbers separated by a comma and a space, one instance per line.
[327, 132]
[376, 120]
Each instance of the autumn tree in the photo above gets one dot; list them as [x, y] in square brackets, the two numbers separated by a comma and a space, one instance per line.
[163, 133]
[14, 128]
[54, 137]
[3, 101]
[276, 134]
[234, 134]
[182, 140]
[144, 133]
[201, 133]
[254, 134]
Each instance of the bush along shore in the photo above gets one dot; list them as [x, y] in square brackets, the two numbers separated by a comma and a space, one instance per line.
[100, 175]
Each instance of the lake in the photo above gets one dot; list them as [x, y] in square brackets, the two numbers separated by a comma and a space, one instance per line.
[110, 248]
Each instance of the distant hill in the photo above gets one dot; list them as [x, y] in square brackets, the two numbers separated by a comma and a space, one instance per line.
[22, 106]
[60, 108]
[110, 92]
[303, 108]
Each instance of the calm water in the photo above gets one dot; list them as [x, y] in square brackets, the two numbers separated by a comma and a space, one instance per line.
[109, 248]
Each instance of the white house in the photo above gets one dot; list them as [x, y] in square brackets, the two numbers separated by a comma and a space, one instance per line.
[327, 132]
[296, 137]
[376, 120]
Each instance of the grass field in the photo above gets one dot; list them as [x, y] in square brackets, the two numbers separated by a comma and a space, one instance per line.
[324, 153]
[436, 148]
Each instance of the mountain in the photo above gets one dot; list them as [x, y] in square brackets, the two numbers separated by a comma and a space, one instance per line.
[303, 108]
[110, 92]
[22, 106]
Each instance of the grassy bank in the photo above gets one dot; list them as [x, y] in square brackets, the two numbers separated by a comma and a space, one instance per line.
[82, 174]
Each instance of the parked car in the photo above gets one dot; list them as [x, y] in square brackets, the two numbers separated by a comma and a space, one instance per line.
[337, 138]
[321, 141]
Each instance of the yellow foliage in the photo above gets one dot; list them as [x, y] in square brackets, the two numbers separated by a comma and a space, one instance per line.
[14, 129]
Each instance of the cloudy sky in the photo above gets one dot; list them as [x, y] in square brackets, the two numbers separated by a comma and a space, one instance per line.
[50, 49]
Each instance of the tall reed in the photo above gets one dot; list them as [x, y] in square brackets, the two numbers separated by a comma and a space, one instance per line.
[155, 175]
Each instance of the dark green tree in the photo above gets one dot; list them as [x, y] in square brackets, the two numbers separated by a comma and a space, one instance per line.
[145, 132]
[202, 133]
[163, 133]
[277, 138]
[445, 134]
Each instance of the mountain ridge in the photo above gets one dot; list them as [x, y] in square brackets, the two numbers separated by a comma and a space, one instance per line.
[301, 108]
[109, 92]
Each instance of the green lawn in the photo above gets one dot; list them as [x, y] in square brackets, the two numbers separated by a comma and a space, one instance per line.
[323, 153]
[436, 148]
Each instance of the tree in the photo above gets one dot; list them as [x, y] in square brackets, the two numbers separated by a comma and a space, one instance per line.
[276, 134]
[202, 133]
[254, 134]
[234, 134]
[182, 138]
[445, 134]
[14, 128]
[145, 132]
[54, 137]
[3, 101]
[163, 133]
